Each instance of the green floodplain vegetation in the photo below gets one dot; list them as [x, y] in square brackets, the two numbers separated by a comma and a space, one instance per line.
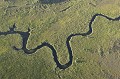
[96, 56]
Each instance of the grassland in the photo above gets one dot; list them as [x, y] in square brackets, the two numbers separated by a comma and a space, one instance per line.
[95, 57]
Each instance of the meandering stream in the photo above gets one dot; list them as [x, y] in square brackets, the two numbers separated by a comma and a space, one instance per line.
[25, 37]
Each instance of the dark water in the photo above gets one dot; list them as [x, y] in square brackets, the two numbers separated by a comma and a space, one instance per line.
[25, 37]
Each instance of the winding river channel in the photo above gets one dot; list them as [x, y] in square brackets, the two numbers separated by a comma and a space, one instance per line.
[25, 37]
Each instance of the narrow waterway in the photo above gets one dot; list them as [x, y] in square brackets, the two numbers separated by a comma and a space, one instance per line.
[25, 37]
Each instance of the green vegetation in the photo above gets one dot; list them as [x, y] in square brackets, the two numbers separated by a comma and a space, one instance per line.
[95, 57]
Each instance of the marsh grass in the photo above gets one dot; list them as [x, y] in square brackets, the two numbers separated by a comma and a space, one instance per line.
[51, 25]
